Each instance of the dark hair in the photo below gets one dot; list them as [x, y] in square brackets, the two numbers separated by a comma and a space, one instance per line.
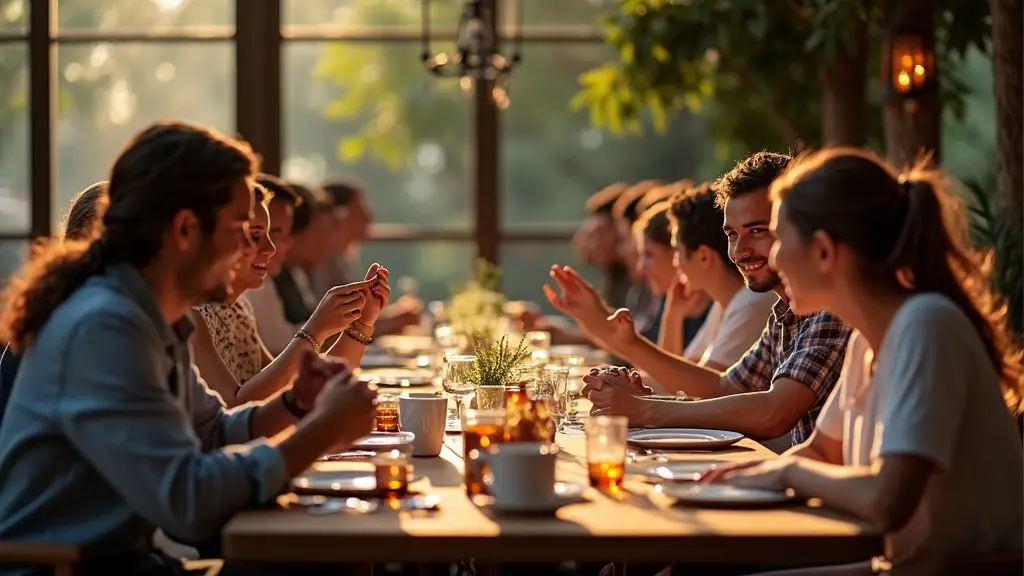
[164, 169]
[750, 175]
[660, 194]
[311, 201]
[83, 218]
[697, 221]
[601, 202]
[280, 191]
[263, 196]
[625, 208]
[654, 225]
[342, 192]
[904, 230]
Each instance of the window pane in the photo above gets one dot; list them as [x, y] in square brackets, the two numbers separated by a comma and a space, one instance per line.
[110, 91]
[14, 16]
[113, 15]
[444, 14]
[548, 13]
[371, 112]
[437, 266]
[525, 268]
[553, 159]
[15, 195]
[12, 255]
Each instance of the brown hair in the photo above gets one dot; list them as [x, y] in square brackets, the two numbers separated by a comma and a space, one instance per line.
[342, 192]
[653, 225]
[625, 208]
[697, 221]
[601, 202]
[904, 229]
[756, 172]
[83, 218]
[164, 169]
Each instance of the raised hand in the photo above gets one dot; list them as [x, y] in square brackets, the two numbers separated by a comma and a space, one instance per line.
[620, 331]
[378, 294]
[338, 309]
[681, 300]
[314, 372]
[578, 300]
[350, 404]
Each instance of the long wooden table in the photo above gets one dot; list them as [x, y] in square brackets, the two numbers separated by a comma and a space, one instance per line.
[639, 526]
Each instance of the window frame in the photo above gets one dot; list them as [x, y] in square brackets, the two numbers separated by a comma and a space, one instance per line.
[259, 37]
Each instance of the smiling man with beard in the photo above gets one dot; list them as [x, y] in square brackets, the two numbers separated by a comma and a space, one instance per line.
[783, 380]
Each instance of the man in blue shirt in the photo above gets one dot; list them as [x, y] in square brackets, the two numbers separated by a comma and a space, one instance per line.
[109, 431]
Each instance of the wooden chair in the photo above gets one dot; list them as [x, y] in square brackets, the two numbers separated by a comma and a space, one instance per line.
[61, 557]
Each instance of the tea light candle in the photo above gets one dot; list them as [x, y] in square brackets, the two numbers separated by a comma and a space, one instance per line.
[392, 472]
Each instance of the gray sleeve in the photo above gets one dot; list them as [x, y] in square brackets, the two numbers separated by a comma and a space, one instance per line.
[928, 372]
[118, 414]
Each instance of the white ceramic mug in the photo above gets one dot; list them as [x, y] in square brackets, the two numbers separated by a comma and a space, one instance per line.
[423, 414]
[522, 473]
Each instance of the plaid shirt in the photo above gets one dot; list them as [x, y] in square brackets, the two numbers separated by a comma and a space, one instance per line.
[808, 349]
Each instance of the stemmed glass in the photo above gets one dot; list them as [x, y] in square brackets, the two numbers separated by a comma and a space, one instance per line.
[459, 378]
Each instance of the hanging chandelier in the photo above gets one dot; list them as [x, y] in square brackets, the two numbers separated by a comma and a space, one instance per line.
[477, 61]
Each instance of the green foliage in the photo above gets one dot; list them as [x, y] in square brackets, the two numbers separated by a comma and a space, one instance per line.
[997, 232]
[476, 307]
[752, 65]
[498, 363]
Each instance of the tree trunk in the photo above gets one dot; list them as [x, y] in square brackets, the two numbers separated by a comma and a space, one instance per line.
[843, 104]
[912, 126]
[1008, 72]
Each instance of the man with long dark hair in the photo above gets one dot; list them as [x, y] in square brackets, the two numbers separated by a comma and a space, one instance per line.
[107, 409]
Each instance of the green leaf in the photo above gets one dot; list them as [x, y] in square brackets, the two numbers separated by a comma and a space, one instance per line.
[351, 148]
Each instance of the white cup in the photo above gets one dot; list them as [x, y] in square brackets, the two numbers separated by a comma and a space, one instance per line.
[424, 414]
[522, 473]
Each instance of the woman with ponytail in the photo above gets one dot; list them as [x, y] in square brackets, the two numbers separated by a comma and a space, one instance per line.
[918, 437]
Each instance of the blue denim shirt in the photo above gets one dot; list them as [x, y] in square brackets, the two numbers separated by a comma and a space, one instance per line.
[110, 433]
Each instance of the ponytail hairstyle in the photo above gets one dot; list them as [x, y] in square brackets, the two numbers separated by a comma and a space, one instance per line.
[164, 169]
[84, 216]
[905, 230]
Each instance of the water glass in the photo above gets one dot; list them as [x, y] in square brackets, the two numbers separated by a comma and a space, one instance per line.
[553, 382]
[459, 377]
[490, 397]
[539, 345]
[606, 450]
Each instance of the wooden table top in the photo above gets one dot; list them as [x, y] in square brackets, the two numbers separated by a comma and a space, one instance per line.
[640, 525]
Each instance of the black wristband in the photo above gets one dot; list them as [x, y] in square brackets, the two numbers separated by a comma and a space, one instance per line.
[288, 399]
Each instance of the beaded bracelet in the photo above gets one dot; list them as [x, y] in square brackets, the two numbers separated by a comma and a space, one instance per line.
[358, 336]
[308, 336]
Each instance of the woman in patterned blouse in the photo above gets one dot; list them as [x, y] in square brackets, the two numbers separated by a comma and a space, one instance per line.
[228, 351]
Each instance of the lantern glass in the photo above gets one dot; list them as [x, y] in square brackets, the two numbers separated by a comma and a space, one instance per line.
[911, 65]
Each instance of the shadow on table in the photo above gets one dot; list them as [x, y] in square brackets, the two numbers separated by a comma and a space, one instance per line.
[441, 472]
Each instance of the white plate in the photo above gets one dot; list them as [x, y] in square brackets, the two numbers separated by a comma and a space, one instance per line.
[683, 438]
[399, 377]
[378, 441]
[726, 496]
[563, 494]
[676, 470]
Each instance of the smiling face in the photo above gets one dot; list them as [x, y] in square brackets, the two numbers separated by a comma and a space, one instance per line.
[252, 267]
[656, 266]
[747, 220]
[809, 268]
[281, 214]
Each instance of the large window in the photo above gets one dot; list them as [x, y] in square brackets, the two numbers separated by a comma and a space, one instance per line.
[328, 89]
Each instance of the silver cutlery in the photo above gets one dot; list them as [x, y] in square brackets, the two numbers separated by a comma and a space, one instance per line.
[333, 505]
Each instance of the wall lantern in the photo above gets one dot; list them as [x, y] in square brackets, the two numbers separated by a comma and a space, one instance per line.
[909, 65]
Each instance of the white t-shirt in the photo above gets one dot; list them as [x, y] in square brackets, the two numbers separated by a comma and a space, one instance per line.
[725, 336]
[935, 394]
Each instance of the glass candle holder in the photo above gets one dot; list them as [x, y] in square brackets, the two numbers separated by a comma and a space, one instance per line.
[392, 471]
[387, 417]
[606, 451]
[481, 429]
